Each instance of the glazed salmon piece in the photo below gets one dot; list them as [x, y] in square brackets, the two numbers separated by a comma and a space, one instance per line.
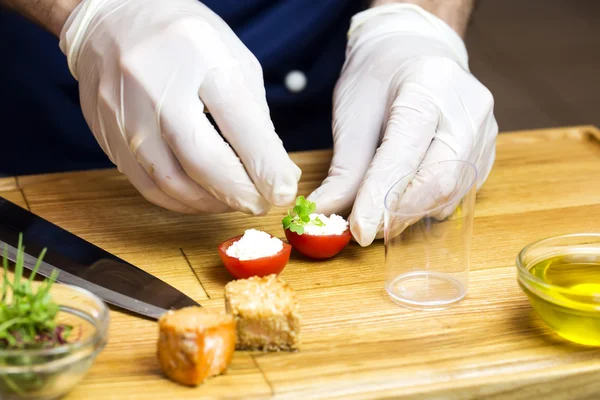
[195, 344]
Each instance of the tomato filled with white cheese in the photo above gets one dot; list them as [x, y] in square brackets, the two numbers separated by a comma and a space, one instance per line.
[315, 235]
[255, 253]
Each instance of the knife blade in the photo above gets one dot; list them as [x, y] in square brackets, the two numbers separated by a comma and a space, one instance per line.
[82, 264]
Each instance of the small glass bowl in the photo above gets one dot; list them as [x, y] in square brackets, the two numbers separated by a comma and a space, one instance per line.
[48, 374]
[571, 309]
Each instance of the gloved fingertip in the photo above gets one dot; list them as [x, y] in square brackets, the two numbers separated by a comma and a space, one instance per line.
[176, 207]
[361, 233]
[298, 172]
[324, 204]
[314, 196]
[221, 209]
[329, 199]
[283, 197]
[189, 211]
[249, 205]
[155, 196]
[261, 212]
[255, 210]
[260, 209]
[281, 188]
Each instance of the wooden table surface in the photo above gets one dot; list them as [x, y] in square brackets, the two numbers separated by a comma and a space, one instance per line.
[356, 342]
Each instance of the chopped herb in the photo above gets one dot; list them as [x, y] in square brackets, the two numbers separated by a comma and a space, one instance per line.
[296, 219]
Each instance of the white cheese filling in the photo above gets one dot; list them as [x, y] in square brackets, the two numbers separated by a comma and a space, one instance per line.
[254, 244]
[332, 225]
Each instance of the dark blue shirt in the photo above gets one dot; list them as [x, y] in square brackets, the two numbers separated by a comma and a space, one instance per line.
[43, 129]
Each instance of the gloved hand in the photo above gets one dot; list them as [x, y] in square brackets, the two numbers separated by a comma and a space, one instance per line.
[405, 98]
[147, 69]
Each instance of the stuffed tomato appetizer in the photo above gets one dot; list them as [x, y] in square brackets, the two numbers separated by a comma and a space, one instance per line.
[315, 235]
[255, 253]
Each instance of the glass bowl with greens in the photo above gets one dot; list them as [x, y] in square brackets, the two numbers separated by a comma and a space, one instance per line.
[50, 334]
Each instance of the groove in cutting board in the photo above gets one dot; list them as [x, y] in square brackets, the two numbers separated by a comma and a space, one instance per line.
[194, 271]
[25, 200]
[263, 374]
[15, 196]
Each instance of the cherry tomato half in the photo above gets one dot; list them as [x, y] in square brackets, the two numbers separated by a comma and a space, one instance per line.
[318, 247]
[263, 266]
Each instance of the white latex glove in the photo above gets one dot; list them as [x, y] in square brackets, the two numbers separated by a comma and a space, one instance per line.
[405, 98]
[147, 69]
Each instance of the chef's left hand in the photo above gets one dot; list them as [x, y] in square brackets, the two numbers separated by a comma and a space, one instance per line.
[405, 98]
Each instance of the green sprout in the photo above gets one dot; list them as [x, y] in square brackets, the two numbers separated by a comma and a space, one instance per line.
[28, 315]
[296, 219]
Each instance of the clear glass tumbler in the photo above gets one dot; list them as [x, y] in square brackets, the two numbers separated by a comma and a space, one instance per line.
[428, 226]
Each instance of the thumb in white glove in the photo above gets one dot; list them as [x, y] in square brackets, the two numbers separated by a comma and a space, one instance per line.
[405, 98]
[147, 69]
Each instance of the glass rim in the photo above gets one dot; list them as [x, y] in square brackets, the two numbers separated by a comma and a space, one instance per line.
[439, 206]
[526, 277]
[100, 325]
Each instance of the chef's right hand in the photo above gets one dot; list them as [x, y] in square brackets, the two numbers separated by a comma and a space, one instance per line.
[146, 70]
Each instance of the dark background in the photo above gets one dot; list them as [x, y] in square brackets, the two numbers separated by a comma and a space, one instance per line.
[540, 59]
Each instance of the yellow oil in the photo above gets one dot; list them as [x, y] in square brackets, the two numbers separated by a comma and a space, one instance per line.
[572, 313]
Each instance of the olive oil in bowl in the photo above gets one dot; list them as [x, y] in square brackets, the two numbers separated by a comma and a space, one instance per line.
[561, 277]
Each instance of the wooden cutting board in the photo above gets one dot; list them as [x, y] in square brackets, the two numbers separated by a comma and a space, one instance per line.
[356, 342]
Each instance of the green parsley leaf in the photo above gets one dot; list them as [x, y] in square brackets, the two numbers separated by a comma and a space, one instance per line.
[299, 229]
[287, 221]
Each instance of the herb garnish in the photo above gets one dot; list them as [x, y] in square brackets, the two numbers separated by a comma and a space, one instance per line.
[28, 315]
[300, 216]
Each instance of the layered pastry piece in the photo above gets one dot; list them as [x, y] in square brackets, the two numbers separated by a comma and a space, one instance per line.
[266, 313]
[195, 344]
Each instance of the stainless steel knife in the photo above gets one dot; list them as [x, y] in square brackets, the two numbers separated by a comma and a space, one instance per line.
[83, 264]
